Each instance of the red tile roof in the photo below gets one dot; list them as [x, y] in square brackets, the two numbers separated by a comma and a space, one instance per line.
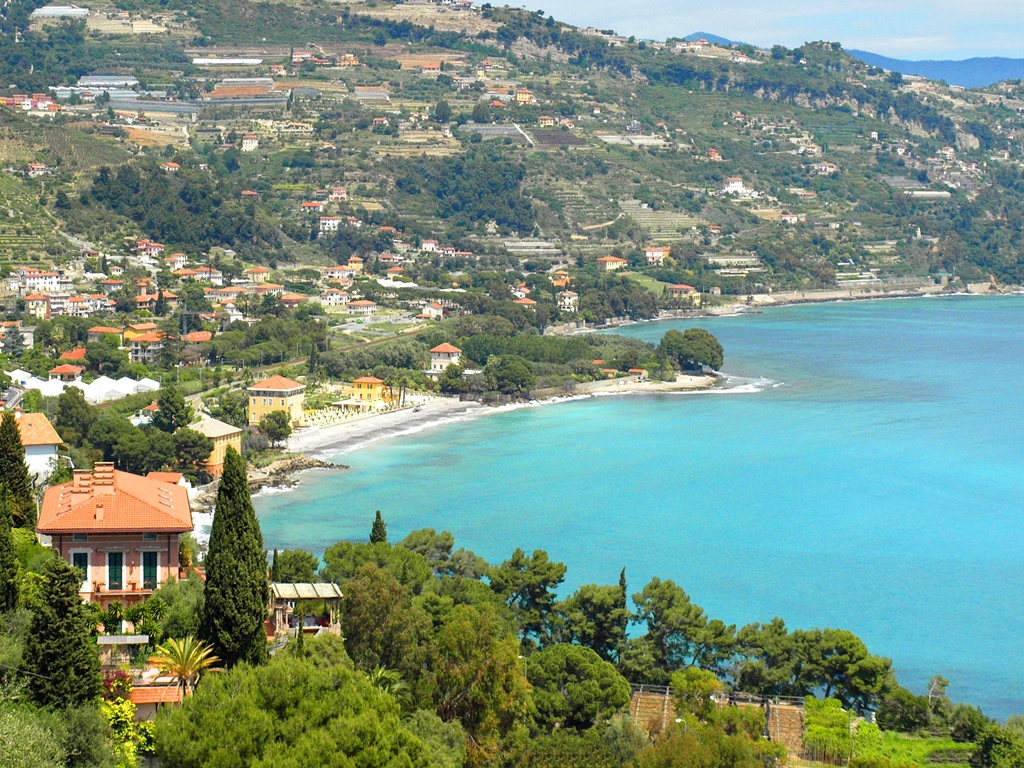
[165, 477]
[109, 500]
[368, 380]
[67, 368]
[197, 336]
[104, 329]
[447, 349]
[36, 429]
[78, 353]
[276, 383]
[154, 694]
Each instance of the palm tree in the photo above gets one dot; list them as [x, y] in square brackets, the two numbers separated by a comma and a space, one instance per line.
[389, 682]
[184, 660]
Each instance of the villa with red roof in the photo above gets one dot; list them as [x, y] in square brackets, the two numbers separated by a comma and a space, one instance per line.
[276, 393]
[120, 530]
[41, 442]
[610, 263]
[442, 356]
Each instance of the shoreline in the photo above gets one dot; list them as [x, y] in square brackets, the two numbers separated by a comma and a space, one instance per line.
[762, 301]
[324, 443]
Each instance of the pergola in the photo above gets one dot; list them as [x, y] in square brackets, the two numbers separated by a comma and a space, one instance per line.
[284, 596]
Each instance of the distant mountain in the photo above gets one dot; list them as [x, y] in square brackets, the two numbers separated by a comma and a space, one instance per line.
[970, 73]
[716, 39]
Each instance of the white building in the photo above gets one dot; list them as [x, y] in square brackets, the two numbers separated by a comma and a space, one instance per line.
[250, 143]
[655, 255]
[568, 301]
[329, 223]
[362, 307]
[41, 442]
[442, 356]
[333, 297]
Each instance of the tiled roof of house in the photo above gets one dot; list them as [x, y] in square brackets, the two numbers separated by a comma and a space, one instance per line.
[446, 348]
[155, 694]
[67, 368]
[104, 329]
[276, 383]
[110, 500]
[368, 380]
[197, 336]
[165, 477]
[148, 338]
[78, 353]
[214, 428]
[36, 429]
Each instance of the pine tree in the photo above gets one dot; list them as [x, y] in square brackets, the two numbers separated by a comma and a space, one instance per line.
[379, 533]
[14, 472]
[622, 586]
[160, 306]
[14, 342]
[275, 570]
[174, 413]
[60, 652]
[8, 559]
[237, 592]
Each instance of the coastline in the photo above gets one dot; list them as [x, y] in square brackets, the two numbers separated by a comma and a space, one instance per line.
[324, 443]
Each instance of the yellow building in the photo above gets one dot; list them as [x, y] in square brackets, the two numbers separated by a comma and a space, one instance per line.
[367, 393]
[276, 394]
[223, 436]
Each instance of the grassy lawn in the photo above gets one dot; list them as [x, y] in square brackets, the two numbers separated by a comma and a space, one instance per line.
[870, 741]
[649, 283]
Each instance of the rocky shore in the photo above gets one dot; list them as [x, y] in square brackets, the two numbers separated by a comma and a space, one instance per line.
[277, 474]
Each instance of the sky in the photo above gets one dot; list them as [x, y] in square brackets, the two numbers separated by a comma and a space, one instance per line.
[904, 29]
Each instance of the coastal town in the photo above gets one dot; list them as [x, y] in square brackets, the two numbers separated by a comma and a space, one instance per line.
[241, 240]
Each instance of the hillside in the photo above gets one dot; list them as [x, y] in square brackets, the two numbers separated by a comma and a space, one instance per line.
[526, 143]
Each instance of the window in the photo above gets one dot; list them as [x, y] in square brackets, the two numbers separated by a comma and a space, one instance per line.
[80, 537]
[149, 537]
[149, 569]
[80, 560]
[115, 570]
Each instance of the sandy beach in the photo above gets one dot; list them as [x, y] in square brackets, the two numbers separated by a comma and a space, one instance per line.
[325, 442]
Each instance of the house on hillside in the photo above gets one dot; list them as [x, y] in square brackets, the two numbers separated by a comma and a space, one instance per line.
[276, 393]
[223, 436]
[41, 442]
[120, 530]
[442, 356]
[655, 255]
[610, 263]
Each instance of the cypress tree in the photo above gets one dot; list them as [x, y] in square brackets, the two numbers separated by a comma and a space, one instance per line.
[14, 472]
[61, 651]
[275, 569]
[8, 559]
[237, 592]
[379, 532]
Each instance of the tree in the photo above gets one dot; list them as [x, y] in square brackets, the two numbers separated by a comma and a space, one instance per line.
[291, 713]
[451, 381]
[14, 472]
[61, 652]
[237, 592]
[380, 626]
[343, 559]
[574, 687]
[74, 416]
[13, 344]
[8, 557]
[692, 349]
[528, 584]
[596, 617]
[509, 374]
[296, 566]
[276, 426]
[901, 710]
[681, 634]
[693, 691]
[442, 112]
[476, 675]
[184, 660]
[174, 413]
[436, 547]
[379, 532]
[191, 451]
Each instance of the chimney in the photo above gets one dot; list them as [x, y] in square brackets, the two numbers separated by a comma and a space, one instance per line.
[79, 475]
[99, 512]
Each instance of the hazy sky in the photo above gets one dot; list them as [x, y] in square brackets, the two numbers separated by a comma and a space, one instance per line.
[955, 29]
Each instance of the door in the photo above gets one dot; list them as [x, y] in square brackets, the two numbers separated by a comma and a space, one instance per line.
[115, 570]
[149, 563]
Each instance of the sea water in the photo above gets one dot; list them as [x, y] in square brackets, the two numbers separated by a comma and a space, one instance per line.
[865, 473]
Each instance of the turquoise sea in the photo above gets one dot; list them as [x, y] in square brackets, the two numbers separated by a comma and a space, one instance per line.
[869, 475]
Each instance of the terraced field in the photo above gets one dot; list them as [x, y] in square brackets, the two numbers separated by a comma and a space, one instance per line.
[663, 226]
[25, 228]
